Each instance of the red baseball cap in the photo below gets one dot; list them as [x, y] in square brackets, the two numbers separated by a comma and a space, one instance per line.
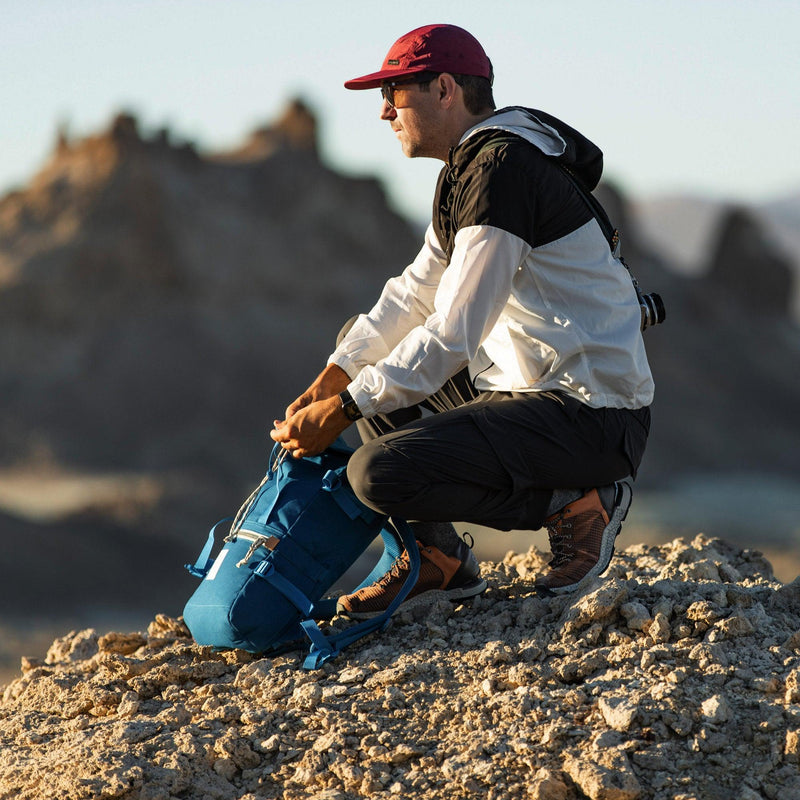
[432, 48]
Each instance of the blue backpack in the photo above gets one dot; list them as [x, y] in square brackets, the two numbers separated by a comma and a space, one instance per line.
[294, 537]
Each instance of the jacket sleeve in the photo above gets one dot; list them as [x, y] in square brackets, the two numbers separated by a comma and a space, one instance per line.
[434, 346]
[406, 302]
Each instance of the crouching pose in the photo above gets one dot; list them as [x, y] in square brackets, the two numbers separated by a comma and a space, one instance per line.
[515, 325]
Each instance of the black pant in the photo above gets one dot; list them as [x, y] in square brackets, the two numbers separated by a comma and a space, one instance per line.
[491, 458]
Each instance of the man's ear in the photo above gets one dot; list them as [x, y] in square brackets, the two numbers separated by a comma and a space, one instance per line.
[447, 88]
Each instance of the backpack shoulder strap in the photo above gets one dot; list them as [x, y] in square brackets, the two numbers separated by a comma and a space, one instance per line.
[323, 648]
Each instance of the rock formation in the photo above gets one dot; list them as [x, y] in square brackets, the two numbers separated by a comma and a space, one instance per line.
[159, 307]
[155, 306]
[676, 678]
[745, 263]
[295, 130]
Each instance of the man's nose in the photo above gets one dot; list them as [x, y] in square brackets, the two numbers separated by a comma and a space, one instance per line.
[388, 111]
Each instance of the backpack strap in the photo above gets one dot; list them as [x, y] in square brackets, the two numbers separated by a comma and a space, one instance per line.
[332, 481]
[392, 549]
[200, 567]
[324, 648]
[266, 570]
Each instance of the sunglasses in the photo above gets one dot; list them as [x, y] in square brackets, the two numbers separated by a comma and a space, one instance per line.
[388, 87]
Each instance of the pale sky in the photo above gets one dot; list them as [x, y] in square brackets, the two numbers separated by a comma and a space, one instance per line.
[695, 96]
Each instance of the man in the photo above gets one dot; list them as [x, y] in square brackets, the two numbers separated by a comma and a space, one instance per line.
[515, 325]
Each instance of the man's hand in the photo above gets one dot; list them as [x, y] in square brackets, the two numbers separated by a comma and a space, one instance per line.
[330, 382]
[312, 428]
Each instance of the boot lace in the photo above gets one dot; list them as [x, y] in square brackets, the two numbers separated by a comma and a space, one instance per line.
[562, 546]
[397, 570]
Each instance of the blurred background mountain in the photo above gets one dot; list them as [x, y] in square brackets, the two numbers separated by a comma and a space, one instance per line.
[160, 306]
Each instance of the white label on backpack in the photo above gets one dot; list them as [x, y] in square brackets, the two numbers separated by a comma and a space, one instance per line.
[212, 573]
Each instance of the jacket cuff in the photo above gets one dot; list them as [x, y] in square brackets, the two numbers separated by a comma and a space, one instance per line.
[344, 363]
[362, 398]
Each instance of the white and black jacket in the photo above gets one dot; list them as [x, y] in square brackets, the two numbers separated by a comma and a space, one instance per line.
[515, 280]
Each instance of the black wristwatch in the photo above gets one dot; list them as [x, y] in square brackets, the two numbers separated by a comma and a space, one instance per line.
[351, 410]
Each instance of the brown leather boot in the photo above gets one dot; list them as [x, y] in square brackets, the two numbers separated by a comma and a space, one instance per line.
[582, 538]
[453, 577]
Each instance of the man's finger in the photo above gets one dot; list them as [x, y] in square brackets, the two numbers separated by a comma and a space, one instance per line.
[278, 435]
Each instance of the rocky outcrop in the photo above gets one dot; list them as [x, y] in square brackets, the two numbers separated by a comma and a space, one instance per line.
[746, 264]
[160, 307]
[295, 130]
[676, 677]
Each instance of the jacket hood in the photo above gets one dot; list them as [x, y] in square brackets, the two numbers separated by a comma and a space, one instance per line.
[550, 135]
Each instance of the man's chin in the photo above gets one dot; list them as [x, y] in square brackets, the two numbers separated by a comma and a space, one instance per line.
[413, 151]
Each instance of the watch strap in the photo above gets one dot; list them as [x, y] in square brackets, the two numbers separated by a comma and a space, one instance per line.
[349, 406]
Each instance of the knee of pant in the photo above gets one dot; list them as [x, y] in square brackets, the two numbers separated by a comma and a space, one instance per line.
[363, 471]
[346, 329]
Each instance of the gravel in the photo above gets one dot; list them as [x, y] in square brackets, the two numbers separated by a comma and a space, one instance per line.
[675, 677]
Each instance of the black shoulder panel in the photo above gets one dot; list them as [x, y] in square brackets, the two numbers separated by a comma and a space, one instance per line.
[508, 184]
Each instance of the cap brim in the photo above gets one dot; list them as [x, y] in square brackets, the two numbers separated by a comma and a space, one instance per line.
[375, 79]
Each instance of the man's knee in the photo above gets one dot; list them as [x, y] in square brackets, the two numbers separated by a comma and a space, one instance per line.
[346, 329]
[361, 472]
[373, 476]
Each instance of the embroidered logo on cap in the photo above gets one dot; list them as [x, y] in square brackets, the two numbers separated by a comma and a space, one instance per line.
[394, 62]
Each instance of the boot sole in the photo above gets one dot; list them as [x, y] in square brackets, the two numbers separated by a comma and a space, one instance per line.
[610, 533]
[424, 598]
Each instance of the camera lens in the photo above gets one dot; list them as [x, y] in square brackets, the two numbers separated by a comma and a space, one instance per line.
[653, 311]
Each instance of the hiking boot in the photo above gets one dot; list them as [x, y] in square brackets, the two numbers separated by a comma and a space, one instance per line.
[452, 577]
[582, 538]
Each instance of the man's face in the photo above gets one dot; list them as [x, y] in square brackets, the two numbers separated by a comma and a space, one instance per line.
[416, 120]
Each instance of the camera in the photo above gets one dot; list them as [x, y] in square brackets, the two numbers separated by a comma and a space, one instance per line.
[651, 304]
[653, 311]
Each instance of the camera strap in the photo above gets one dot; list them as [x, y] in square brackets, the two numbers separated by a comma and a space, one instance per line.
[609, 231]
[598, 212]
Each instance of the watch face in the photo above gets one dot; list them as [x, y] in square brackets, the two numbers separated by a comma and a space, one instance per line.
[349, 407]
